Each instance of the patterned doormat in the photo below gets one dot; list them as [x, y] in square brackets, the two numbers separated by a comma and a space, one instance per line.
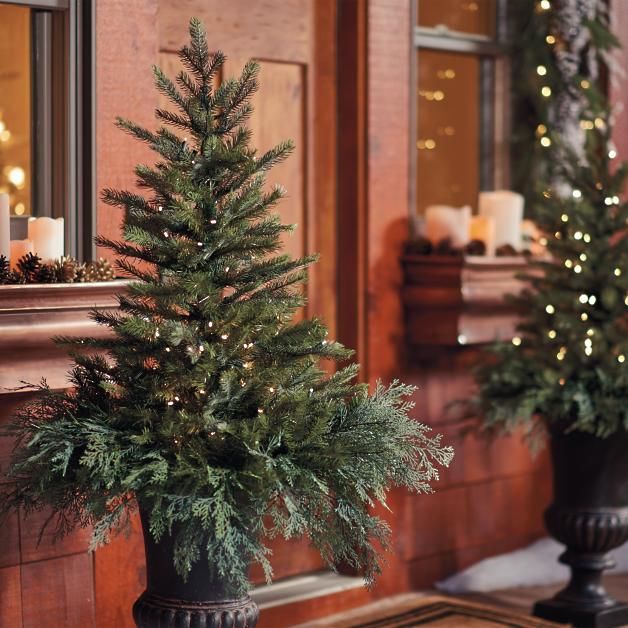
[416, 609]
[451, 614]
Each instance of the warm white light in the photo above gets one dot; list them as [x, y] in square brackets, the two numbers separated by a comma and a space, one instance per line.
[564, 218]
[576, 193]
[546, 142]
[545, 5]
[550, 309]
[592, 300]
[5, 136]
[583, 298]
[588, 350]
[577, 235]
[224, 336]
[546, 91]
[568, 263]
[516, 341]
[612, 153]
[17, 177]
[586, 237]
[541, 70]
[583, 257]
[617, 272]
[584, 316]
[577, 268]
[621, 358]
[590, 332]
[462, 339]
[550, 39]
[551, 334]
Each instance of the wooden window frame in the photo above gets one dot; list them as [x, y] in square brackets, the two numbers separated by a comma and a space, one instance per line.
[63, 120]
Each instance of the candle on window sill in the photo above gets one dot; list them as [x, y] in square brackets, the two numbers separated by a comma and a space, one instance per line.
[19, 248]
[48, 237]
[506, 208]
[444, 222]
[483, 228]
[5, 226]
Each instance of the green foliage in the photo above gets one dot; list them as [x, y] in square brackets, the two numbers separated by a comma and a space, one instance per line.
[569, 364]
[210, 407]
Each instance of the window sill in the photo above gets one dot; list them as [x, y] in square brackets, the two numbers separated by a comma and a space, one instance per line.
[30, 315]
[453, 301]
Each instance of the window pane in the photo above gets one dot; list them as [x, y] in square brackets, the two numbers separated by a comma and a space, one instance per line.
[15, 106]
[448, 129]
[466, 16]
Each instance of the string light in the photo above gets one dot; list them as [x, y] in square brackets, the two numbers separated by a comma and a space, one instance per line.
[564, 218]
[612, 153]
[545, 5]
[462, 339]
[576, 193]
[621, 358]
[546, 142]
[568, 263]
[516, 341]
[541, 70]
[271, 389]
[583, 298]
[546, 91]
[166, 234]
[577, 235]
[224, 336]
[585, 84]
[590, 331]
[586, 237]
[167, 349]
[551, 334]
[577, 269]
[584, 316]
[550, 309]
[212, 221]
[592, 299]
[583, 257]
[550, 39]
[617, 272]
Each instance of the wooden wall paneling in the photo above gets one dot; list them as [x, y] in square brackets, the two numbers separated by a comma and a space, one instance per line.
[10, 597]
[322, 130]
[266, 29]
[120, 577]
[352, 190]
[126, 49]
[58, 593]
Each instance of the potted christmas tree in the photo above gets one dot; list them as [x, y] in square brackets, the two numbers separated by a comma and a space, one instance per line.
[565, 373]
[206, 405]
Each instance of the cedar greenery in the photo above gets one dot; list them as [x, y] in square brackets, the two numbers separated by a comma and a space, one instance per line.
[568, 367]
[209, 406]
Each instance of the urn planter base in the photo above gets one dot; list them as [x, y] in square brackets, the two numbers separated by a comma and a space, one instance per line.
[564, 613]
[155, 611]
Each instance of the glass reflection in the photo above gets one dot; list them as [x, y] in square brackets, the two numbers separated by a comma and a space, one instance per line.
[466, 16]
[448, 129]
[15, 107]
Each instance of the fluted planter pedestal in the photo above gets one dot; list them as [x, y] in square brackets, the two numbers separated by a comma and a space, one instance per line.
[589, 516]
[198, 602]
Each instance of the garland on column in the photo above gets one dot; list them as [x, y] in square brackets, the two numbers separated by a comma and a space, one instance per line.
[567, 363]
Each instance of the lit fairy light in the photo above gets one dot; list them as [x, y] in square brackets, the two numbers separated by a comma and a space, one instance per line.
[621, 358]
[583, 298]
[587, 238]
[550, 309]
[551, 334]
[577, 269]
[546, 91]
[584, 316]
[564, 218]
[617, 272]
[568, 263]
[516, 341]
[541, 70]
[577, 235]
[577, 194]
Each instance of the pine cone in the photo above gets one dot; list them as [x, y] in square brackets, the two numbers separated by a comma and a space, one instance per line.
[29, 266]
[100, 271]
[81, 273]
[5, 270]
[46, 274]
[66, 269]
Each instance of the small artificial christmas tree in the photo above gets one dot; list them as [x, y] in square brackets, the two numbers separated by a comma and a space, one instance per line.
[209, 407]
[568, 365]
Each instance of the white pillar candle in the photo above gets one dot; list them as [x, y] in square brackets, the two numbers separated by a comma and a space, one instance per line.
[47, 236]
[5, 226]
[442, 221]
[19, 248]
[506, 208]
[483, 228]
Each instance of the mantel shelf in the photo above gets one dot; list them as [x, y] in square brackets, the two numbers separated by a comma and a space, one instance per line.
[30, 315]
[460, 300]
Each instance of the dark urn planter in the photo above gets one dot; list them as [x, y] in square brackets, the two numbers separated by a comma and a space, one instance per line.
[589, 515]
[198, 602]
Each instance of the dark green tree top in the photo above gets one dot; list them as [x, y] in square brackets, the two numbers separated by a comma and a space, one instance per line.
[206, 403]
